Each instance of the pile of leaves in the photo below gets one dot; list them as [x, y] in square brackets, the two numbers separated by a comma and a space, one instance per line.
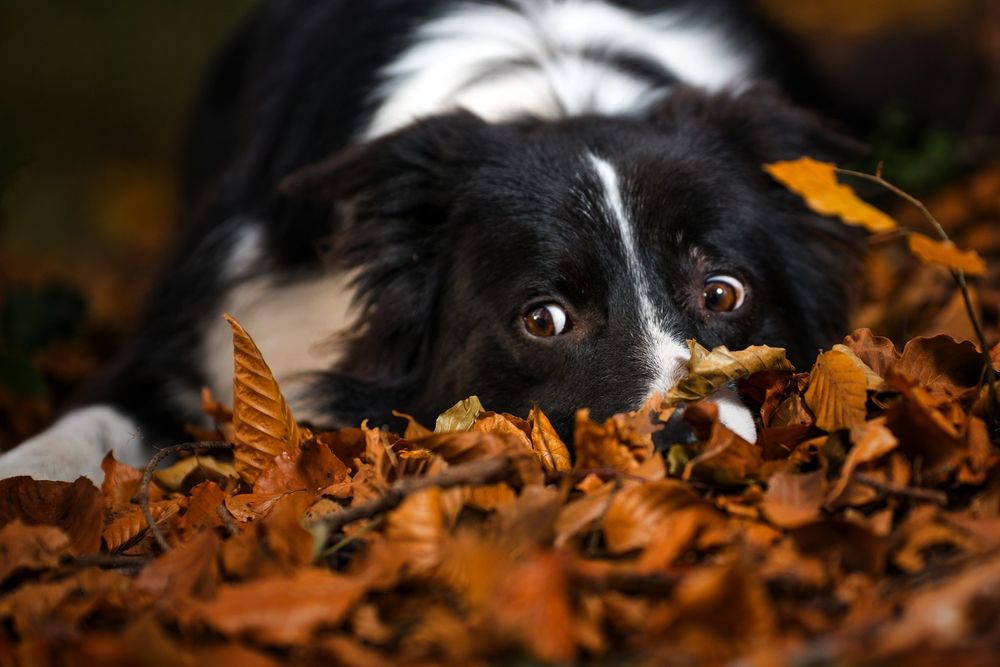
[862, 528]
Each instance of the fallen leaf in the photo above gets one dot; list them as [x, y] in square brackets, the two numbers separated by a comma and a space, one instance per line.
[546, 443]
[946, 254]
[263, 425]
[459, 417]
[816, 183]
[708, 371]
[282, 611]
[726, 457]
[877, 352]
[636, 513]
[872, 440]
[837, 392]
[175, 477]
[74, 507]
[311, 467]
[941, 364]
[24, 547]
[794, 499]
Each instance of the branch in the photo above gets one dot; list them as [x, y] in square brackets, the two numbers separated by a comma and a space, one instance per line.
[957, 276]
[147, 477]
[931, 495]
[482, 471]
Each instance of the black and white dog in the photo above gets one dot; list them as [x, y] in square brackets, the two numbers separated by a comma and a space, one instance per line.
[406, 203]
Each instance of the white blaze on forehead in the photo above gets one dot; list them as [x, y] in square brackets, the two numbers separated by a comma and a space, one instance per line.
[462, 58]
[667, 356]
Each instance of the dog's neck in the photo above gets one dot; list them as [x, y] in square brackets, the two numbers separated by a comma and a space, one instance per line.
[551, 59]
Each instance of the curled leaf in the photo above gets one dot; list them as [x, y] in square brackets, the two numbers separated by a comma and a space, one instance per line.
[707, 371]
[946, 254]
[546, 443]
[263, 425]
[816, 182]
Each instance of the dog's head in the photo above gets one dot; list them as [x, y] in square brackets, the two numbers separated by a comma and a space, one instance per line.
[565, 262]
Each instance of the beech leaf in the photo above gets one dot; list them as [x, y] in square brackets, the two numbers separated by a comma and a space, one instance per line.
[263, 425]
[816, 182]
[710, 370]
[837, 392]
[946, 254]
[459, 417]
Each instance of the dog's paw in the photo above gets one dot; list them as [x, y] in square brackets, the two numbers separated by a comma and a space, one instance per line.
[75, 446]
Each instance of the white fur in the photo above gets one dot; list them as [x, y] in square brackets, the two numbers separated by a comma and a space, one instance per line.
[75, 445]
[449, 52]
[294, 321]
[667, 356]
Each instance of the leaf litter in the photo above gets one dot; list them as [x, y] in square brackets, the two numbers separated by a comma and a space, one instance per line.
[862, 528]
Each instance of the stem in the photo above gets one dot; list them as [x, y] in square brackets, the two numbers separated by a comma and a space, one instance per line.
[957, 276]
[482, 471]
[147, 478]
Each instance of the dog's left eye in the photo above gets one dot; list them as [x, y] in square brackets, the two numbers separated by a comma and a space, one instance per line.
[723, 293]
[546, 320]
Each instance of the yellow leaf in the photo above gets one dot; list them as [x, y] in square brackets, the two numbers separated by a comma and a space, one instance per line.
[172, 478]
[263, 425]
[816, 183]
[459, 417]
[873, 380]
[707, 371]
[946, 254]
[837, 392]
[546, 443]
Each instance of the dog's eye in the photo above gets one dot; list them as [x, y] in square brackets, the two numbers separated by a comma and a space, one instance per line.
[723, 293]
[545, 321]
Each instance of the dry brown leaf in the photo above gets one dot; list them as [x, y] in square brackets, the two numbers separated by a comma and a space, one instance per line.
[188, 569]
[941, 364]
[131, 524]
[282, 611]
[459, 417]
[252, 506]
[546, 443]
[708, 371]
[622, 442]
[946, 254]
[726, 458]
[74, 507]
[872, 440]
[311, 467]
[837, 392]
[263, 425]
[121, 483]
[877, 352]
[816, 182]
[793, 499]
[24, 547]
[873, 381]
[636, 513]
[173, 478]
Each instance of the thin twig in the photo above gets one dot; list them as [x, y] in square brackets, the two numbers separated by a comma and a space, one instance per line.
[483, 471]
[147, 478]
[916, 493]
[957, 276]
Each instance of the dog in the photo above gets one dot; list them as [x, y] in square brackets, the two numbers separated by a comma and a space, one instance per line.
[535, 201]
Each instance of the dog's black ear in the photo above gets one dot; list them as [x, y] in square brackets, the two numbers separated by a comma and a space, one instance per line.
[762, 123]
[426, 155]
[391, 199]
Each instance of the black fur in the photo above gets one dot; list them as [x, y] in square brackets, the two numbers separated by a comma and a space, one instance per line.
[457, 225]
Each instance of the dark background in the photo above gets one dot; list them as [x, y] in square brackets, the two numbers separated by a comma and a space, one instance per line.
[93, 101]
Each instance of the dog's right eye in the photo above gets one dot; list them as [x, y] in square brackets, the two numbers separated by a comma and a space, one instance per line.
[545, 321]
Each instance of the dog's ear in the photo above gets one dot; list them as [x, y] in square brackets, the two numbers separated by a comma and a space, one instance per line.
[391, 199]
[426, 156]
[760, 122]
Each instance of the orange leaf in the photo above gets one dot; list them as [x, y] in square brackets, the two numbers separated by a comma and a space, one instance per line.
[816, 183]
[546, 443]
[837, 392]
[283, 611]
[263, 425]
[946, 254]
[75, 507]
[636, 513]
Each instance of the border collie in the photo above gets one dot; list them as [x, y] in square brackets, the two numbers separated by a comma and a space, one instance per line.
[535, 201]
